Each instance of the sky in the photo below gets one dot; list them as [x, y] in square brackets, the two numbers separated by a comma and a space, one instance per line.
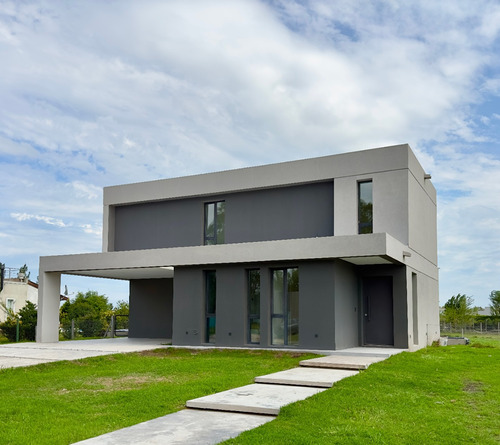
[100, 93]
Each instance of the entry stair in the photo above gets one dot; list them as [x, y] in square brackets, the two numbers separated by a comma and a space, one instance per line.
[214, 418]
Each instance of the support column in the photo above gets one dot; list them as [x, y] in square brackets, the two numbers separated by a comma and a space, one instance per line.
[49, 291]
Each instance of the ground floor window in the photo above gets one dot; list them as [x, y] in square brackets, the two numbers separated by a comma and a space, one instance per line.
[253, 283]
[285, 307]
[210, 298]
[10, 304]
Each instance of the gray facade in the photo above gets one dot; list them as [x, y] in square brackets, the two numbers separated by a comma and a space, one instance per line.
[288, 268]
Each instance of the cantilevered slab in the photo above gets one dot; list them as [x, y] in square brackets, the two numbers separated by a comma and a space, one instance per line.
[317, 377]
[183, 427]
[255, 399]
[342, 361]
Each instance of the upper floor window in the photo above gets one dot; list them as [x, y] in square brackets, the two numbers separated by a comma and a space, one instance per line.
[214, 222]
[365, 207]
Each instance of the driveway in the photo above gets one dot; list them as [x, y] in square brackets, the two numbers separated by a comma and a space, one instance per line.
[13, 355]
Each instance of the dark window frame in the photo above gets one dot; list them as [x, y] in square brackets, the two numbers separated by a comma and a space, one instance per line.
[210, 307]
[287, 320]
[365, 209]
[252, 316]
[219, 221]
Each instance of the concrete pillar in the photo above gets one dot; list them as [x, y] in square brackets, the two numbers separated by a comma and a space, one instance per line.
[49, 291]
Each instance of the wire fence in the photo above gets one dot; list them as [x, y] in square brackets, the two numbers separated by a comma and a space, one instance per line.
[481, 327]
[92, 327]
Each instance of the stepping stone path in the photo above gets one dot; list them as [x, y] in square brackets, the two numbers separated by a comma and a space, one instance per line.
[218, 417]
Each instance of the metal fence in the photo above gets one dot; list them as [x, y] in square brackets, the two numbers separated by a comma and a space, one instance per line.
[478, 327]
[92, 327]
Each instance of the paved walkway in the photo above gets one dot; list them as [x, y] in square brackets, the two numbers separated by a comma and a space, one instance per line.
[14, 355]
[214, 418]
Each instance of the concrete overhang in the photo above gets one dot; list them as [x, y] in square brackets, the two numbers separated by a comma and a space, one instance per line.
[377, 248]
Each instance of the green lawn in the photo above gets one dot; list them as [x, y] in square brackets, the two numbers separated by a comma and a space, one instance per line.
[61, 403]
[438, 395]
[444, 395]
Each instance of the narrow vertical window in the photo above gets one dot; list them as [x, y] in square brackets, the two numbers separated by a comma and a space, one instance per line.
[414, 295]
[285, 307]
[253, 281]
[365, 207]
[210, 298]
[215, 215]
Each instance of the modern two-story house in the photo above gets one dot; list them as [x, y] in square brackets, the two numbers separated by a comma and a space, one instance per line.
[323, 253]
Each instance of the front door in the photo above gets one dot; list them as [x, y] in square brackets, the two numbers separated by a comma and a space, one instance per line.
[378, 325]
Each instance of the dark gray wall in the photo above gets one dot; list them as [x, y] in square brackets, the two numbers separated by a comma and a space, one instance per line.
[151, 308]
[303, 211]
[316, 307]
[189, 306]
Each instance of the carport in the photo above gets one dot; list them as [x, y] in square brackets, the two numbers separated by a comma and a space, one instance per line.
[151, 290]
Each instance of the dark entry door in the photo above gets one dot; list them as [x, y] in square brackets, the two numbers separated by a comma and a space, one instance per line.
[377, 311]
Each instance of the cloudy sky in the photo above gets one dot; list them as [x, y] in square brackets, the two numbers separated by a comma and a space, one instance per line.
[100, 93]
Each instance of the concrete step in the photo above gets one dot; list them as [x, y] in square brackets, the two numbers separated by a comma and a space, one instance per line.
[342, 361]
[188, 426]
[308, 376]
[255, 399]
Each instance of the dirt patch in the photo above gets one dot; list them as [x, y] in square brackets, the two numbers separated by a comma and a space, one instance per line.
[123, 383]
[161, 352]
[480, 345]
[473, 387]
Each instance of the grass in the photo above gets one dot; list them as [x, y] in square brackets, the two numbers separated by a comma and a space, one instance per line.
[444, 395]
[64, 402]
[3, 340]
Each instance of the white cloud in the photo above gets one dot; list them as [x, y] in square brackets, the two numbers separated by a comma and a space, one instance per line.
[46, 219]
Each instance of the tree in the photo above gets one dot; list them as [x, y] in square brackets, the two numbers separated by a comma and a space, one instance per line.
[121, 311]
[458, 310]
[495, 302]
[90, 312]
[28, 317]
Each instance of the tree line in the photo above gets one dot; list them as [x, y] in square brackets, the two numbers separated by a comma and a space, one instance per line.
[90, 311]
[459, 309]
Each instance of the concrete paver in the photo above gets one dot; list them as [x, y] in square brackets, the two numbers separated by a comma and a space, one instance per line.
[371, 351]
[318, 377]
[188, 426]
[342, 361]
[256, 398]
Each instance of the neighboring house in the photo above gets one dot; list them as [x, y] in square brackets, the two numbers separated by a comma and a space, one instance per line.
[15, 293]
[486, 311]
[324, 253]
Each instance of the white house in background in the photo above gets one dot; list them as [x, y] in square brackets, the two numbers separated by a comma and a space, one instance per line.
[15, 293]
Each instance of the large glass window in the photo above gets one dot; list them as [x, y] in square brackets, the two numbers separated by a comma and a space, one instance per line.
[215, 215]
[285, 307]
[210, 298]
[365, 207]
[253, 306]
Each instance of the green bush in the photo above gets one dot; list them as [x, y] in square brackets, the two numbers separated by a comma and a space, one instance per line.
[8, 328]
[27, 323]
